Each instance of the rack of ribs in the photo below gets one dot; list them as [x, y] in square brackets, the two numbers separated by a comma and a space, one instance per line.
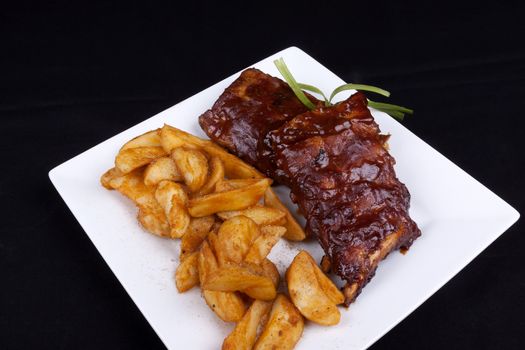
[335, 161]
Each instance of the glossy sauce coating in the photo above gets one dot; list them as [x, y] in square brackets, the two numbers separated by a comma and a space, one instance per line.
[334, 160]
[240, 119]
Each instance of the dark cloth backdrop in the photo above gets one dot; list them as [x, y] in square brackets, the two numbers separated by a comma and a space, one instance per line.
[73, 75]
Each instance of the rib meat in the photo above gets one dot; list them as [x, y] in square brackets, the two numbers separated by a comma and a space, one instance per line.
[254, 104]
[335, 161]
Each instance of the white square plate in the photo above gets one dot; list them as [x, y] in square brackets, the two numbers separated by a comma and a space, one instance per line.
[447, 203]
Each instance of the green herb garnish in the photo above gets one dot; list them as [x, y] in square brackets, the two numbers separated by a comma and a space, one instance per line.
[285, 72]
[395, 111]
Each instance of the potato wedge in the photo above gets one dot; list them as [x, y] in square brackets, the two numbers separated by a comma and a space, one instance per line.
[149, 139]
[326, 284]
[170, 139]
[132, 186]
[258, 213]
[172, 197]
[213, 240]
[111, 174]
[263, 244]
[235, 237]
[196, 234]
[216, 175]
[294, 231]
[132, 158]
[228, 306]
[187, 273]
[284, 327]
[192, 165]
[236, 278]
[168, 190]
[234, 168]
[179, 219]
[161, 169]
[228, 185]
[154, 221]
[150, 215]
[244, 334]
[306, 293]
[271, 271]
[237, 199]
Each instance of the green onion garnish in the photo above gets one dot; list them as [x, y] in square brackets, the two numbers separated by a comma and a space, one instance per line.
[388, 106]
[315, 90]
[395, 111]
[285, 72]
[359, 87]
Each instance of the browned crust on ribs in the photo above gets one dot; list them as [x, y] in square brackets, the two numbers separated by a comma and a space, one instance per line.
[335, 161]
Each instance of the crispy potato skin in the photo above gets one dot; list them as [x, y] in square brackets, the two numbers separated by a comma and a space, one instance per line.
[187, 273]
[260, 214]
[235, 237]
[228, 306]
[307, 294]
[134, 158]
[235, 278]
[263, 244]
[244, 334]
[237, 199]
[193, 165]
[196, 234]
[160, 169]
[148, 139]
[284, 327]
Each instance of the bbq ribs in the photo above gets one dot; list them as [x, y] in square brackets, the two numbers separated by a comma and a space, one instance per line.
[335, 162]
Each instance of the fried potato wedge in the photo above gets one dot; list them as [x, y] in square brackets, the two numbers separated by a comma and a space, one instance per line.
[179, 219]
[187, 273]
[237, 199]
[154, 221]
[228, 306]
[149, 139]
[216, 175]
[168, 190]
[236, 278]
[306, 293]
[271, 271]
[284, 326]
[132, 158]
[326, 284]
[196, 234]
[258, 213]
[244, 334]
[111, 174]
[263, 244]
[132, 186]
[235, 237]
[213, 240]
[234, 168]
[161, 169]
[266, 268]
[150, 215]
[294, 231]
[192, 165]
[172, 197]
[228, 185]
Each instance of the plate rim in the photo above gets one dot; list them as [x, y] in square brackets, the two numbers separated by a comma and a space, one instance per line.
[509, 219]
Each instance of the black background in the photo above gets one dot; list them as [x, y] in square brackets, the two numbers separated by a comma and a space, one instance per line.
[73, 76]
